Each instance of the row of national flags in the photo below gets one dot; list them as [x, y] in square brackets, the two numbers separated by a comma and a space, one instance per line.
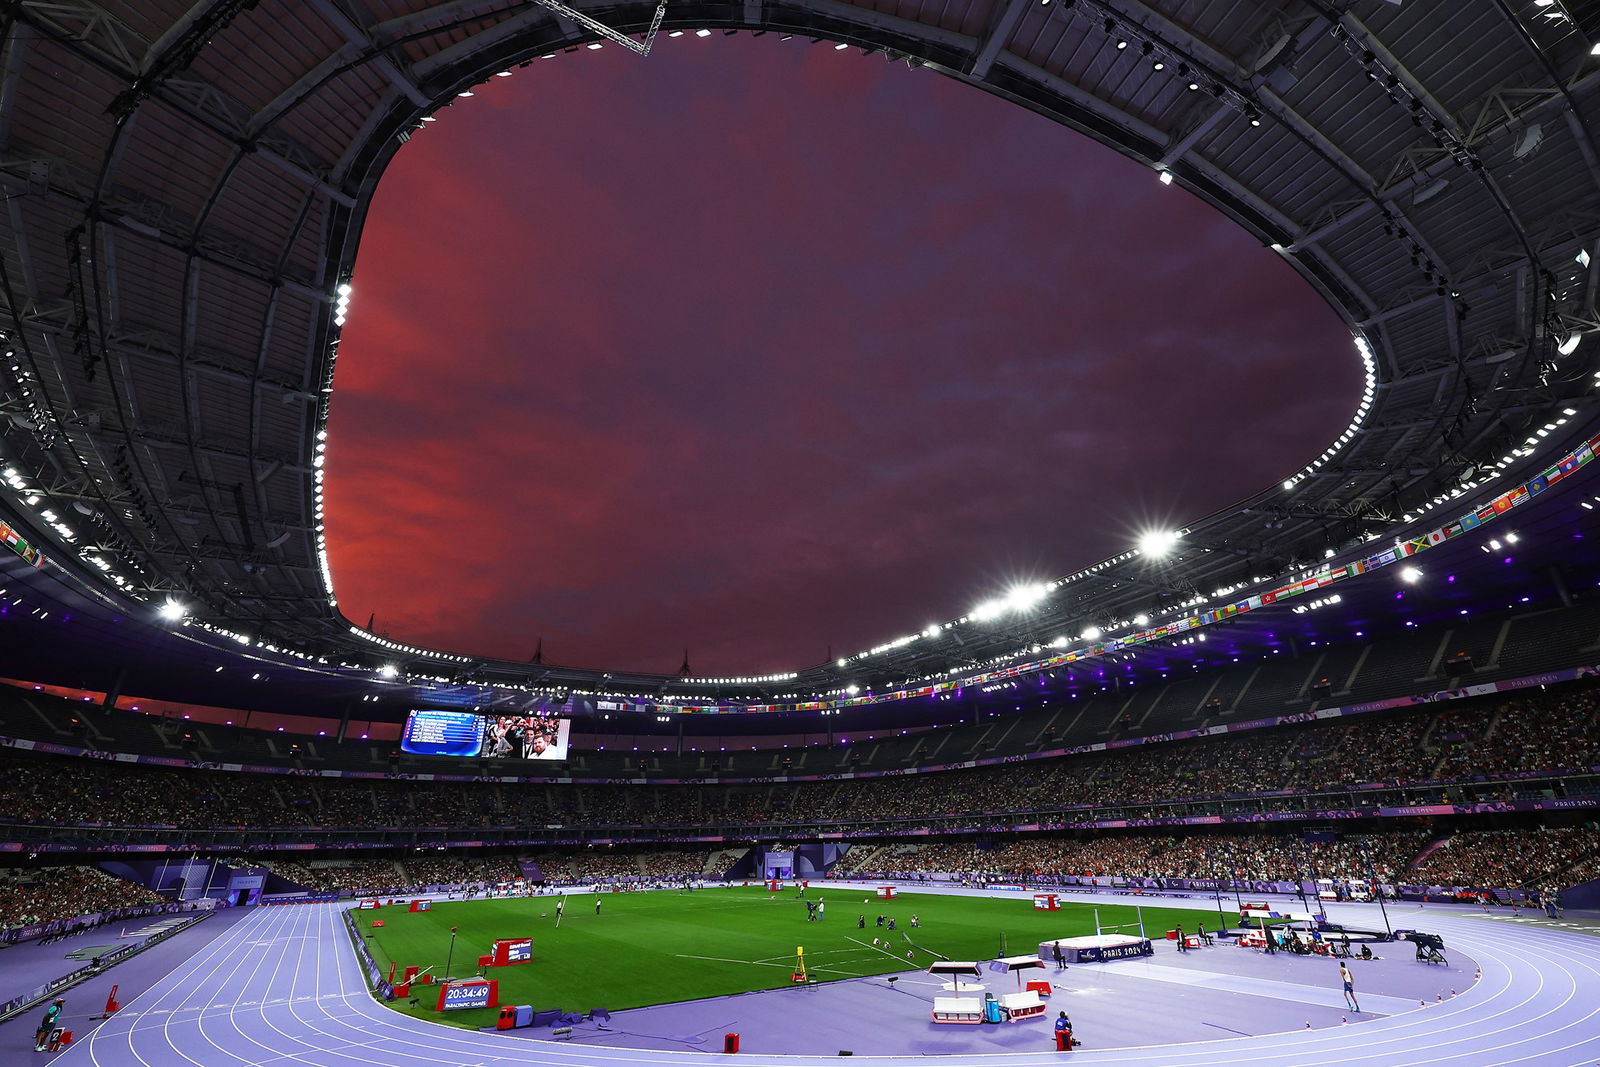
[1500, 505]
[20, 546]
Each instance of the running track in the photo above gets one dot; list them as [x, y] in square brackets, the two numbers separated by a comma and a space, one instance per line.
[283, 988]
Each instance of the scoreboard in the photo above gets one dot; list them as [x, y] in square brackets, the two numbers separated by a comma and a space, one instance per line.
[436, 732]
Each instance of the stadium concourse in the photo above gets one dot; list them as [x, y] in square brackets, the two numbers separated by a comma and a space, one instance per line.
[283, 985]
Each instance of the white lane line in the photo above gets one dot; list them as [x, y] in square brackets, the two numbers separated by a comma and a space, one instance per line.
[1294, 992]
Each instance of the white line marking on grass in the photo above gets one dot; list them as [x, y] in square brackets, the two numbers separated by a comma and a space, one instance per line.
[724, 959]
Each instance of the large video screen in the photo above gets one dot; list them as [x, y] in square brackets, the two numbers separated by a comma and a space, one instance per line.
[436, 732]
[540, 737]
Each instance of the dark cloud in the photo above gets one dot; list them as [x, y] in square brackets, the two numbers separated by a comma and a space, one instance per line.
[755, 348]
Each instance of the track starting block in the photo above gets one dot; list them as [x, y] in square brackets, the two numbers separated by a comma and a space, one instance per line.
[112, 1004]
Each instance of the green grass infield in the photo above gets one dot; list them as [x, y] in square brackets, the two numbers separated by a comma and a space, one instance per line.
[661, 946]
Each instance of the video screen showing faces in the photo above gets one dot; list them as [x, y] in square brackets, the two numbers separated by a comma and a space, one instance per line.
[532, 737]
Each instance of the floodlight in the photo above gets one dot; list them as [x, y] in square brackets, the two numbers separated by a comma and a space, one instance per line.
[1410, 575]
[1569, 343]
[989, 609]
[172, 611]
[1025, 597]
[389, 670]
[1158, 543]
[1141, 619]
[1090, 633]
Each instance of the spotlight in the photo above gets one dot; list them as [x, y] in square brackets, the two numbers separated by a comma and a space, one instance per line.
[172, 611]
[1410, 575]
[1158, 543]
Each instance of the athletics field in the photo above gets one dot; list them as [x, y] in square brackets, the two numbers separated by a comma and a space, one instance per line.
[661, 946]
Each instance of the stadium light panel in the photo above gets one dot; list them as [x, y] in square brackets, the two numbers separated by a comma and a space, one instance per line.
[1158, 543]
[1026, 597]
[989, 609]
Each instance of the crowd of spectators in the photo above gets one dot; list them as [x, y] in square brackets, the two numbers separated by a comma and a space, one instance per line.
[589, 865]
[1544, 734]
[1512, 858]
[1502, 859]
[673, 865]
[1254, 857]
[414, 871]
[348, 876]
[49, 894]
[1549, 733]
[460, 870]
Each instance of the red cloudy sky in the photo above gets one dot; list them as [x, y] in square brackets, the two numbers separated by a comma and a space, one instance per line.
[762, 349]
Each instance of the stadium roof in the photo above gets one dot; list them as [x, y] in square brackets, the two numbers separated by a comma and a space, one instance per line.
[186, 184]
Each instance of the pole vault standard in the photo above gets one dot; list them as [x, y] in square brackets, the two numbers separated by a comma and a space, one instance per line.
[1377, 887]
[1217, 889]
